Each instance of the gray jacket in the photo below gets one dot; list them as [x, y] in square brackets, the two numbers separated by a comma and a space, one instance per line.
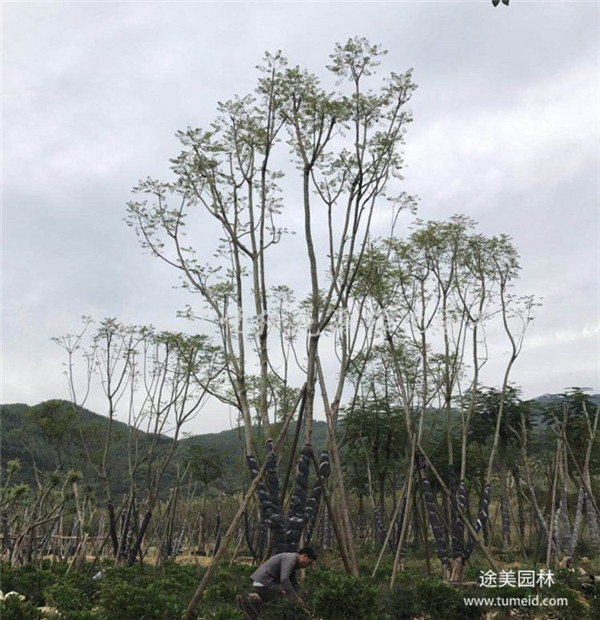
[279, 570]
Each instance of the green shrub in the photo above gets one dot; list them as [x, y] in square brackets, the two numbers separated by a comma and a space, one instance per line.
[15, 608]
[74, 592]
[80, 615]
[219, 591]
[143, 600]
[413, 597]
[403, 599]
[340, 597]
[592, 594]
[283, 609]
[575, 608]
[65, 597]
[445, 602]
[27, 580]
[228, 581]
[225, 613]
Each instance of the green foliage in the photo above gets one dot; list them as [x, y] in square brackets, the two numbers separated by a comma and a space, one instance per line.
[143, 601]
[580, 409]
[574, 610]
[55, 421]
[80, 615]
[374, 435]
[486, 409]
[403, 599]
[222, 449]
[224, 613]
[283, 609]
[74, 592]
[593, 596]
[148, 594]
[228, 581]
[14, 608]
[414, 596]
[338, 597]
[27, 580]
[205, 464]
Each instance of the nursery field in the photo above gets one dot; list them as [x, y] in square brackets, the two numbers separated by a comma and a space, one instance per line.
[145, 592]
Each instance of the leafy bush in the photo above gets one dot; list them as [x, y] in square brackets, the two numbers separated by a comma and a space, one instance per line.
[227, 582]
[404, 601]
[283, 609]
[74, 592]
[148, 593]
[413, 596]
[225, 613]
[593, 596]
[341, 597]
[15, 608]
[444, 602]
[79, 615]
[142, 601]
[575, 608]
[27, 580]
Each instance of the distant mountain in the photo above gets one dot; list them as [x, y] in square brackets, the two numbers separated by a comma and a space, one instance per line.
[54, 436]
[547, 399]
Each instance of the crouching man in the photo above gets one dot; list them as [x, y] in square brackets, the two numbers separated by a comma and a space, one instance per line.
[277, 576]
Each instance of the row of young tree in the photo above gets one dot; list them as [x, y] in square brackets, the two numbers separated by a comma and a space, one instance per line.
[385, 333]
[67, 517]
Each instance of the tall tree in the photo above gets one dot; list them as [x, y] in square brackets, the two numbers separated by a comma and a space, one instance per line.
[343, 151]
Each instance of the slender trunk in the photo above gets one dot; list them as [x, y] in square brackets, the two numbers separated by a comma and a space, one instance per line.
[296, 510]
[504, 501]
[389, 531]
[312, 506]
[112, 526]
[520, 508]
[6, 540]
[338, 532]
[577, 523]
[437, 526]
[550, 547]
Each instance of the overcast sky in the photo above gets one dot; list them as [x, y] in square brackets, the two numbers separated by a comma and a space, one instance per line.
[505, 131]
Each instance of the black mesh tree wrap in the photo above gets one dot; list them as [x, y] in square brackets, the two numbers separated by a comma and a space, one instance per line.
[269, 501]
[458, 503]
[264, 503]
[275, 519]
[263, 536]
[379, 529]
[248, 535]
[437, 526]
[295, 523]
[484, 513]
[312, 505]
[302, 510]
[272, 479]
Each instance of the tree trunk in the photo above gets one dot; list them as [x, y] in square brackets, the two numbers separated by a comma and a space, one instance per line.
[520, 508]
[577, 523]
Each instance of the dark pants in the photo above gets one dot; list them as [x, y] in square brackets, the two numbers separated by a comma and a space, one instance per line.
[269, 593]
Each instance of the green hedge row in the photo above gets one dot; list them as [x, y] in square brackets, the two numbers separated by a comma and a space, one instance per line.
[148, 593]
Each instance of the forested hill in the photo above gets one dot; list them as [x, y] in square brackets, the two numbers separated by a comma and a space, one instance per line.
[55, 436]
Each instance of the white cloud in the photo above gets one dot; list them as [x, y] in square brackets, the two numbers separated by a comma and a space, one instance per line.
[506, 131]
